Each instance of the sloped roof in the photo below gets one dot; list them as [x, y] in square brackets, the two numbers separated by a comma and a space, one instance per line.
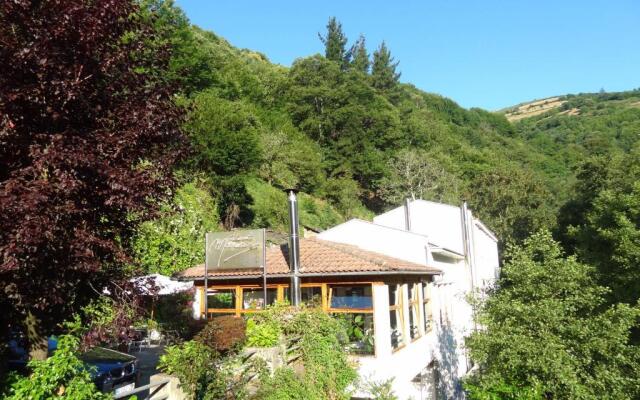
[318, 257]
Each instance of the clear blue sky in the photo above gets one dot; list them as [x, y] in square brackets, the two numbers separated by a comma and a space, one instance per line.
[484, 53]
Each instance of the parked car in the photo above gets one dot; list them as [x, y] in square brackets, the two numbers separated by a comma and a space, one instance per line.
[111, 370]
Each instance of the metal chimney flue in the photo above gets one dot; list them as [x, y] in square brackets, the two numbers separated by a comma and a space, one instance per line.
[407, 214]
[294, 246]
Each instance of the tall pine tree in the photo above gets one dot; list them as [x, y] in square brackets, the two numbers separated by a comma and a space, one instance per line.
[383, 69]
[335, 42]
[360, 57]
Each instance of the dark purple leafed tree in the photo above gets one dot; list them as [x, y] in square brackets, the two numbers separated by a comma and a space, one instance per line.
[88, 135]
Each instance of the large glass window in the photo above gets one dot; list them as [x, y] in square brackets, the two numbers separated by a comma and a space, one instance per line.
[350, 296]
[253, 299]
[311, 296]
[238, 299]
[222, 298]
[414, 311]
[360, 330]
[396, 317]
[353, 305]
[426, 305]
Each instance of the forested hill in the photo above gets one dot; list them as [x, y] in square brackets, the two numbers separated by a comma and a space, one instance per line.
[341, 128]
[569, 129]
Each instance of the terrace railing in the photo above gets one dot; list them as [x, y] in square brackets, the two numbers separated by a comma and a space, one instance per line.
[156, 386]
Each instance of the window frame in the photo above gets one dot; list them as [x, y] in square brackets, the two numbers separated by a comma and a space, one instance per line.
[414, 310]
[238, 309]
[399, 309]
[326, 307]
[427, 306]
[251, 310]
[282, 288]
[350, 310]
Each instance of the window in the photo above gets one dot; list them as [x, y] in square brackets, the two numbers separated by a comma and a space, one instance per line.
[426, 306]
[414, 311]
[350, 297]
[360, 330]
[241, 299]
[221, 301]
[353, 304]
[396, 317]
[253, 299]
[311, 296]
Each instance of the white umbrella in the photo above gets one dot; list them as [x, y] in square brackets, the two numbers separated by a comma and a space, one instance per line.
[165, 285]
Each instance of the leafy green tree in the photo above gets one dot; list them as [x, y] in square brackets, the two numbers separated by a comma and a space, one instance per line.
[592, 177]
[268, 205]
[343, 192]
[335, 43]
[190, 65]
[605, 229]
[417, 174]
[513, 201]
[235, 202]
[383, 69]
[547, 330]
[354, 125]
[224, 134]
[175, 241]
[291, 160]
[360, 58]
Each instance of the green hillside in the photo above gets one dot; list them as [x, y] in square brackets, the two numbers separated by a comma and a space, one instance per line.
[342, 129]
[576, 127]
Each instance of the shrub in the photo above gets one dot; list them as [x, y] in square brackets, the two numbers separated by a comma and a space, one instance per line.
[381, 390]
[175, 312]
[285, 385]
[61, 376]
[223, 334]
[325, 371]
[193, 363]
[262, 334]
[205, 375]
[501, 390]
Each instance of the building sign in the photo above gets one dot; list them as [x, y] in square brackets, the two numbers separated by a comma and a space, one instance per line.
[241, 249]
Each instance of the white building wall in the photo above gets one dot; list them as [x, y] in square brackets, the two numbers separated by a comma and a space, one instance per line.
[441, 225]
[487, 264]
[403, 364]
[381, 239]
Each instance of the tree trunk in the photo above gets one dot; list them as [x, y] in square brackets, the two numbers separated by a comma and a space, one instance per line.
[36, 341]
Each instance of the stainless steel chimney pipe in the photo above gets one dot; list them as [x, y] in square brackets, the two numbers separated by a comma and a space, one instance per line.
[294, 247]
[407, 214]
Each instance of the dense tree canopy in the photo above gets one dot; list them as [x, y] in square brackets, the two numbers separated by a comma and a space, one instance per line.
[417, 174]
[88, 135]
[326, 129]
[549, 331]
[602, 225]
[175, 241]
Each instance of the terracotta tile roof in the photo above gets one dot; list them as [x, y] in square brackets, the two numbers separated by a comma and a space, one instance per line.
[318, 257]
